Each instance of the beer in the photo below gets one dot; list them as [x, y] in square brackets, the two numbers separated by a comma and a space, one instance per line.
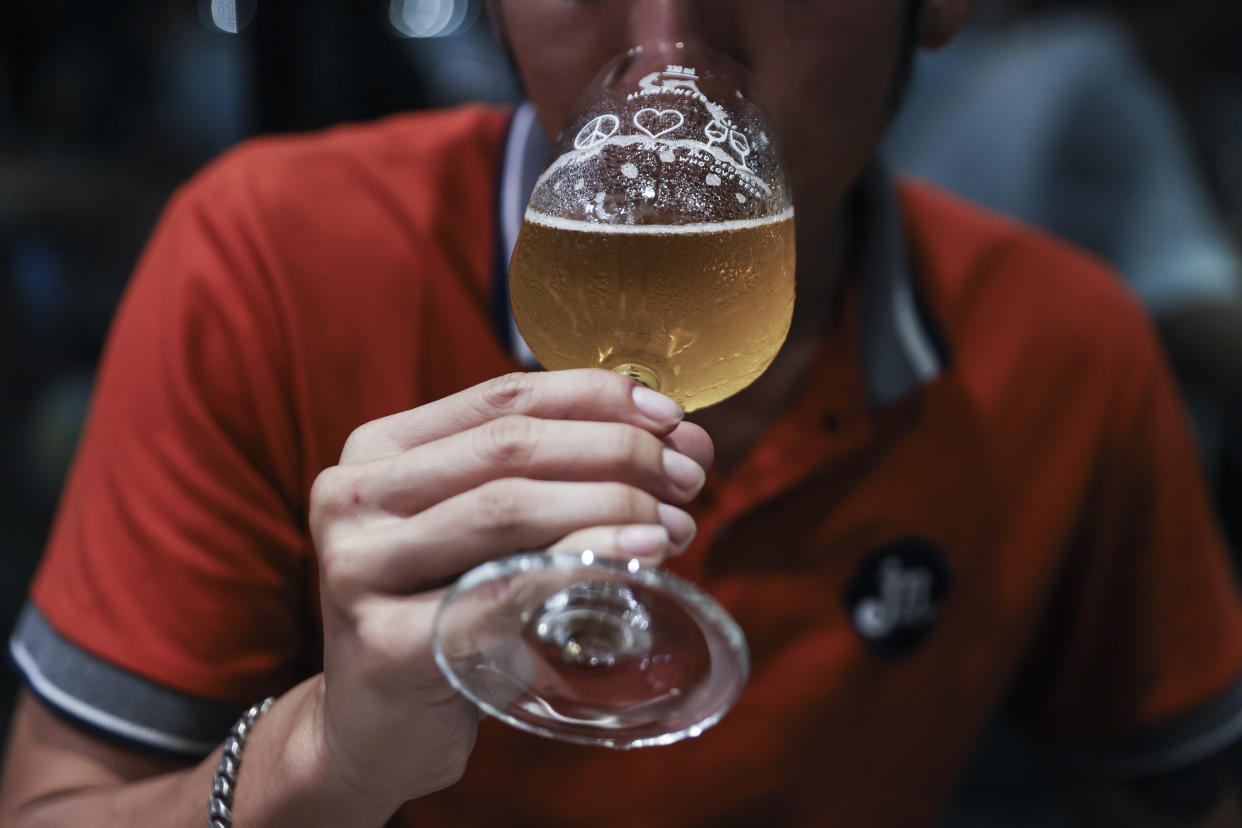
[696, 311]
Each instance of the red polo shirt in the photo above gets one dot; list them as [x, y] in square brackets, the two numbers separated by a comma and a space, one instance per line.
[1036, 468]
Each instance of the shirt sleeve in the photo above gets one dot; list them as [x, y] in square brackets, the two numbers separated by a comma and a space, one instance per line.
[174, 588]
[1137, 667]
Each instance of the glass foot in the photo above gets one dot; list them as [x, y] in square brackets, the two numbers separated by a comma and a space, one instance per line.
[597, 652]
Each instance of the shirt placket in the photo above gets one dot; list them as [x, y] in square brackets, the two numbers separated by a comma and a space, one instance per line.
[829, 419]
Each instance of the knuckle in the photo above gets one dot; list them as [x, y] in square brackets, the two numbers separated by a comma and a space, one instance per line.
[371, 634]
[344, 491]
[505, 394]
[376, 649]
[324, 486]
[360, 440]
[629, 504]
[341, 561]
[508, 442]
[628, 444]
[500, 507]
[329, 493]
[603, 385]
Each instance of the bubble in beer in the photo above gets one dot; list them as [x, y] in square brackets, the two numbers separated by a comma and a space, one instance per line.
[696, 311]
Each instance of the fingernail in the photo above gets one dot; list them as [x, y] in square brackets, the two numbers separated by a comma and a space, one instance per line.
[656, 406]
[680, 525]
[686, 474]
[642, 541]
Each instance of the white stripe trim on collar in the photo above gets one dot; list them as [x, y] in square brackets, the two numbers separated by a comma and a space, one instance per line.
[515, 192]
[914, 336]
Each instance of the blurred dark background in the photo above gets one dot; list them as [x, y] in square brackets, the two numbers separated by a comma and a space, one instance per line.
[106, 107]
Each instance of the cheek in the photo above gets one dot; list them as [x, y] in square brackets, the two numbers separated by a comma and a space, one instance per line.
[560, 48]
[830, 82]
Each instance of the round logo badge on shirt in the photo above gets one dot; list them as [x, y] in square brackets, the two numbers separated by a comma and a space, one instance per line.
[894, 597]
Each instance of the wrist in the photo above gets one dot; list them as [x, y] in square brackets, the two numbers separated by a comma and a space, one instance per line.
[304, 786]
[224, 784]
[325, 757]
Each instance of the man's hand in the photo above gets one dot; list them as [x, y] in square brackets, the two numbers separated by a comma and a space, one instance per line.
[523, 462]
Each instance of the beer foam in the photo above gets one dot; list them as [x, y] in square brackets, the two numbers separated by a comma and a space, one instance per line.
[558, 223]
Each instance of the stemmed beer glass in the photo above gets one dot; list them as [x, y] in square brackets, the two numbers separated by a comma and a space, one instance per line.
[658, 243]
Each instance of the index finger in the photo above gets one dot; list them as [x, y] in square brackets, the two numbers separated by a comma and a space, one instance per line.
[578, 394]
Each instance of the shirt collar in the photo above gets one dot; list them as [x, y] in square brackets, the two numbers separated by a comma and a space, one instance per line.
[899, 348]
[899, 344]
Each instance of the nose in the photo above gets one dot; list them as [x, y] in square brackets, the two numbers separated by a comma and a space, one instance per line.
[663, 21]
[712, 23]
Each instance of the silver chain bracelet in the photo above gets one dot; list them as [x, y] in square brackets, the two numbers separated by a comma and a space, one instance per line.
[220, 805]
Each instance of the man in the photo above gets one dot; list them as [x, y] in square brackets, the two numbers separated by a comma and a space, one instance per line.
[213, 545]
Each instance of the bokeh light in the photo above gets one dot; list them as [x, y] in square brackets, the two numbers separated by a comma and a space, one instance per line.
[432, 18]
